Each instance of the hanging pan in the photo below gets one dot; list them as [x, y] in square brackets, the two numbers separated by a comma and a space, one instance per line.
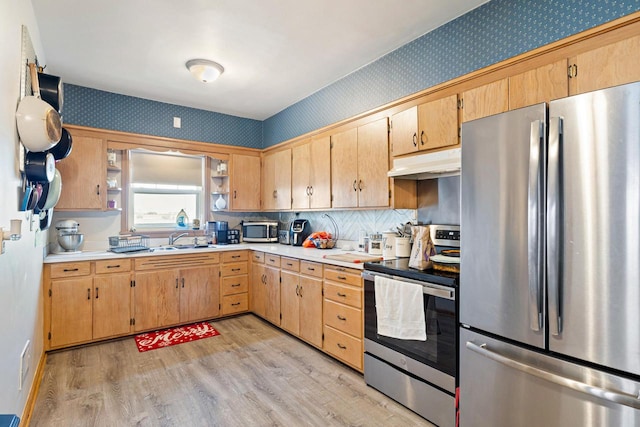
[39, 166]
[62, 148]
[51, 89]
[38, 123]
[53, 193]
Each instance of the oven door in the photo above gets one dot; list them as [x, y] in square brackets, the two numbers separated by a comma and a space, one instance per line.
[433, 360]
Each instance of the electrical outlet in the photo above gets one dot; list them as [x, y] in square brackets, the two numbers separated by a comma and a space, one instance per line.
[177, 122]
[25, 362]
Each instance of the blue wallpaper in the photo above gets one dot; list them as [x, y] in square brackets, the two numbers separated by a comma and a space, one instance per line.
[491, 33]
[95, 108]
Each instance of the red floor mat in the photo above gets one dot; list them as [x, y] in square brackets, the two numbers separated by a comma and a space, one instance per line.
[173, 336]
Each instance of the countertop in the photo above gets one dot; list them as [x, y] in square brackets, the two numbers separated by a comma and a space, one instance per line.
[308, 254]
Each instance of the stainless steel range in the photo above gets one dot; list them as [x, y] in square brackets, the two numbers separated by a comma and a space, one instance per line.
[419, 374]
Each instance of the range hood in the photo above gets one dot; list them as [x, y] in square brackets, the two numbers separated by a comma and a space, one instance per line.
[428, 165]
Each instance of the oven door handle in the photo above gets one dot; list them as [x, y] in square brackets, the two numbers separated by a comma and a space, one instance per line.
[436, 292]
[427, 288]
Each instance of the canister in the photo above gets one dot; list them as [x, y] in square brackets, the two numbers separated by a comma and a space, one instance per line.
[389, 243]
[403, 247]
[375, 244]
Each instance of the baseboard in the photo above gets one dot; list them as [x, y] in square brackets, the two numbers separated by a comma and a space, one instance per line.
[33, 393]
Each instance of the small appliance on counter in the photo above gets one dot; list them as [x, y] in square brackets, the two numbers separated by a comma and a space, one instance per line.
[260, 231]
[222, 232]
[233, 236]
[284, 237]
[69, 238]
[300, 230]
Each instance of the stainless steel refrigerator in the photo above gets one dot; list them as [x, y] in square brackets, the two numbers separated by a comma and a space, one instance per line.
[550, 267]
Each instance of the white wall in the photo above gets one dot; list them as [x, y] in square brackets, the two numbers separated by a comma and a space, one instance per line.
[21, 265]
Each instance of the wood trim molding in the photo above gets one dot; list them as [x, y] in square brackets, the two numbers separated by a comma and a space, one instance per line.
[33, 392]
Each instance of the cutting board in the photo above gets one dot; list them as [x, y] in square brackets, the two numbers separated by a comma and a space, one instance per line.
[354, 258]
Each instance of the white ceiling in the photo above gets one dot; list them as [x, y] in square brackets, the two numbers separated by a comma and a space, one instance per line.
[275, 52]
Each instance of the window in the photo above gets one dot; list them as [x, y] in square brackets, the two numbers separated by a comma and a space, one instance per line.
[160, 185]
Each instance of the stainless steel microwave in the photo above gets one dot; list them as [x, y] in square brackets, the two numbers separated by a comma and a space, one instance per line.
[260, 231]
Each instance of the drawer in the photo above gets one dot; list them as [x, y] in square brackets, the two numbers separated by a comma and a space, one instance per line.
[344, 294]
[233, 269]
[176, 261]
[342, 317]
[258, 257]
[234, 285]
[113, 266]
[235, 303]
[290, 264]
[235, 256]
[311, 268]
[343, 347]
[273, 260]
[70, 269]
[343, 277]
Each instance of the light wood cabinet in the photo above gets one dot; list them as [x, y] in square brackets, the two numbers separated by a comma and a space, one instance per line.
[258, 293]
[311, 176]
[486, 100]
[290, 301]
[199, 293]
[427, 126]
[272, 285]
[83, 175]
[245, 183]
[83, 306]
[343, 316]
[156, 299]
[542, 84]
[234, 287]
[276, 180]
[311, 309]
[610, 65]
[367, 185]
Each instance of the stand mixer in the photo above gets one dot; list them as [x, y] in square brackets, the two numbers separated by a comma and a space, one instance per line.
[69, 238]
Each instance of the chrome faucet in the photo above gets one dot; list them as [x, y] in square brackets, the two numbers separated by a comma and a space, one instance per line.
[173, 238]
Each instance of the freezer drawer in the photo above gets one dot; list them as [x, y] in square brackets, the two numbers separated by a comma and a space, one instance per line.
[498, 393]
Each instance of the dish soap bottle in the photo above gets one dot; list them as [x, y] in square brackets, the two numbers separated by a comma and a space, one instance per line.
[182, 220]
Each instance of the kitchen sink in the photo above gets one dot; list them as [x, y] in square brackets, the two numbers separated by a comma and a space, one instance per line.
[192, 246]
[163, 249]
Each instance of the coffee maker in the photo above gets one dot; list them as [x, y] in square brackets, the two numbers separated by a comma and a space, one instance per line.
[300, 230]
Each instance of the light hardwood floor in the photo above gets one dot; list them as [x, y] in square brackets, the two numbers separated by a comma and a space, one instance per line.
[252, 374]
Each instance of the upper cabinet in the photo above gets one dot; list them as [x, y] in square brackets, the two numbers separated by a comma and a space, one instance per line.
[607, 66]
[542, 84]
[486, 100]
[276, 180]
[311, 176]
[367, 184]
[83, 175]
[427, 126]
[245, 183]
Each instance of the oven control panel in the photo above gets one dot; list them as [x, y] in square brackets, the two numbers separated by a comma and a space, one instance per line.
[445, 235]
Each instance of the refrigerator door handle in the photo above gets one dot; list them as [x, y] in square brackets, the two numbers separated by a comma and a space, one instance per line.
[615, 396]
[534, 220]
[554, 225]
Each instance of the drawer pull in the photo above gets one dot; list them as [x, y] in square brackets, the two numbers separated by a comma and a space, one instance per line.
[89, 293]
[235, 304]
[66, 270]
[235, 269]
[311, 269]
[235, 285]
[272, 260]
[342, 347]
[289, 264]
[342, 277]
[341, 317]
[113, 266]
[235, 256]
[341, 295]
[340, 269]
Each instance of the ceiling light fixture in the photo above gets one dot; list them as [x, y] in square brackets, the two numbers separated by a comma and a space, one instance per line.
[204, 70]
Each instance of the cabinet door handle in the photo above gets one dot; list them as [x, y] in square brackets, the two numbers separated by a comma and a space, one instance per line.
[311, 190]
[415, 139]
[341, 317]
[66, 270]
[422, 138]
[275, 194]
[235, 194]
[183, 282]
[298, 290]
[342, 347]
[98, 189]
[97, 296]
[88, 293]
[360, 185]
[177, 283]
[341, 295]
[300, 293]
[354, 185]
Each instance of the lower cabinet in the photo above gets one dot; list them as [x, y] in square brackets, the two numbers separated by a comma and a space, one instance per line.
[343, 315]
[301, 299]
[180, 289]
[272, 288]
[86, 301]
[234, 282]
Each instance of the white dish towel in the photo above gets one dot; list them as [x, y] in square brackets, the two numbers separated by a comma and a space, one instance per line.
[400, 309]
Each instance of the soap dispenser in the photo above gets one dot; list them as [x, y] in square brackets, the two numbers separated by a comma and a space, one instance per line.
[182, 220]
